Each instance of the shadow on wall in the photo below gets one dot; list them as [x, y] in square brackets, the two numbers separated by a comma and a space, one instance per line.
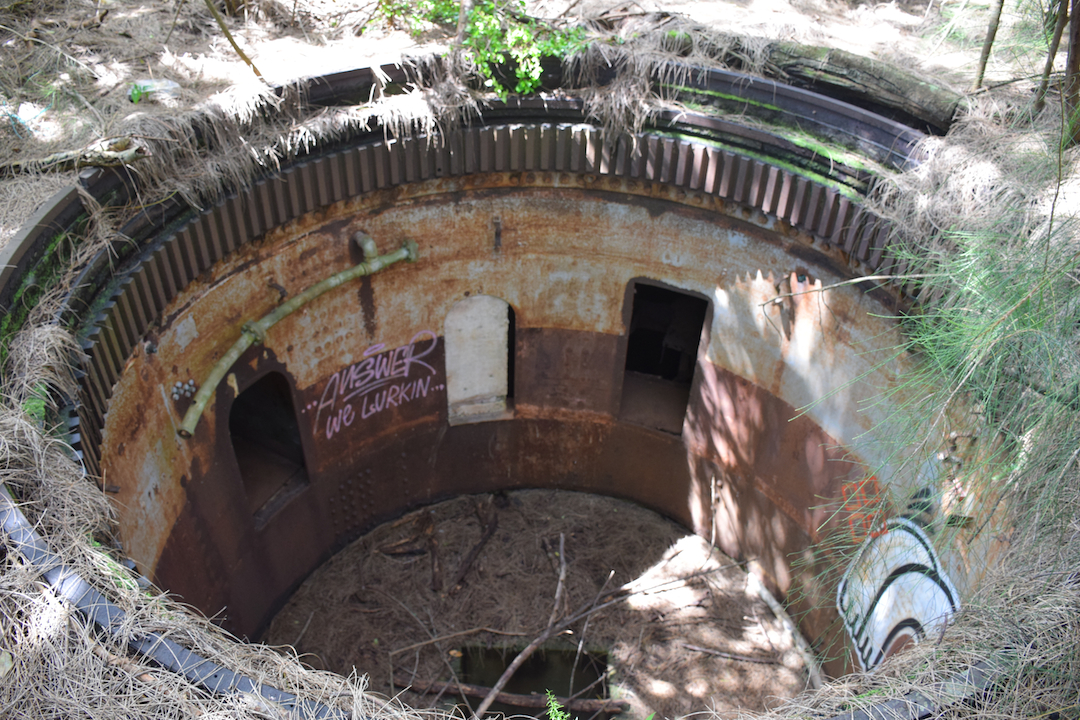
[788, 496]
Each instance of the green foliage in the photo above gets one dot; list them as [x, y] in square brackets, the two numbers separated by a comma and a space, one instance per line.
[413, 14]
[35, 406]
[38, 279]
[507, 45]
[998, 334]
[555, 711]
[504, 41]
[111, 569]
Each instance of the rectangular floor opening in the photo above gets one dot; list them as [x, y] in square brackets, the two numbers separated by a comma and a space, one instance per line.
[544, 670]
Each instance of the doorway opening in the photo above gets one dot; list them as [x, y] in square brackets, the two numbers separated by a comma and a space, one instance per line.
[661, 355]
[265, 438]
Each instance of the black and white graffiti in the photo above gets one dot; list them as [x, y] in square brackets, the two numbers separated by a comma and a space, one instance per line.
[894, 592]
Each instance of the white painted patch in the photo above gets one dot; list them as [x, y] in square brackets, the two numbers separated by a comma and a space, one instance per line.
[477, 335]
[186, 331]
[895, 589]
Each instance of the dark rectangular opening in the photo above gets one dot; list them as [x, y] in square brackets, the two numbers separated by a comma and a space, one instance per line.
[265, 437]
[661, 355]
[510, 353]
[564, 672]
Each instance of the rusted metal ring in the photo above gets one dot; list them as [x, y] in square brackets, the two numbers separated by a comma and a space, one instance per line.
[696, 154]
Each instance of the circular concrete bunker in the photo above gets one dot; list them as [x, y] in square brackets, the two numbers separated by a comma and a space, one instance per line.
[640, 317]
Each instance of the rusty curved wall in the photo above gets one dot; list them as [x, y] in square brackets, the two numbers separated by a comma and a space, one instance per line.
[561, 248]
[536, 208]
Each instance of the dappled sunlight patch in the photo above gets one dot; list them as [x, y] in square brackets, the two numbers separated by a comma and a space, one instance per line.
[661, 688]
[110, 74]
[46, 623]
[207, 68]
[39, 121]
[667, 585]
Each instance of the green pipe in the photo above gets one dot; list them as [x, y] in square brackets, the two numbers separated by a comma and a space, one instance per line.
[253, 332]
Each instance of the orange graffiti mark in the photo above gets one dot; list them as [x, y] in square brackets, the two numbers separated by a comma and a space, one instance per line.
[863, 508]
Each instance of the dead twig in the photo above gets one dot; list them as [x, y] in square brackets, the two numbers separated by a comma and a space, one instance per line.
[776, 299]
[562, 580]
[731, 656]
[304, 630]
[585, 630]
[176, 16]
[436, 566]
[124, 664]
[587, 688]
[232, 41]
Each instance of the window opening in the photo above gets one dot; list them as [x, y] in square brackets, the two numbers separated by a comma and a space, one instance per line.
[265, 437]
[479, 336]
[544, 670]
[661, 355]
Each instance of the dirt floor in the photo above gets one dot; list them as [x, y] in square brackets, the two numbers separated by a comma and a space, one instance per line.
[682, 633]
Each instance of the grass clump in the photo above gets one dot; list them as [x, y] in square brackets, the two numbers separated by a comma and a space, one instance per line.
[987, 239]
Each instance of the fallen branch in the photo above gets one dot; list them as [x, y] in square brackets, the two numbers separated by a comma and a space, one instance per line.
[586, 611]
[431, 634]
[111, 152]
[731, 656]
[532, 647]
[416, 544]
[579, 705]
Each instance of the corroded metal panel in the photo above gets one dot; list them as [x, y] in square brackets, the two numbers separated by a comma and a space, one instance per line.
[556, 369]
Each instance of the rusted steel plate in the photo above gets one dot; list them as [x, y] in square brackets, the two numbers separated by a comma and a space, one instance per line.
[554, 368]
